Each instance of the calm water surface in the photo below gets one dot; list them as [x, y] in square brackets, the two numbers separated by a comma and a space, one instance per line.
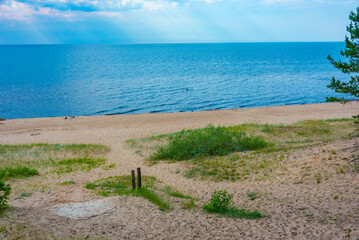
[60, 80]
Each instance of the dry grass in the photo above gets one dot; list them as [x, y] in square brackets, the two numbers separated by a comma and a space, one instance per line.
[50, 158]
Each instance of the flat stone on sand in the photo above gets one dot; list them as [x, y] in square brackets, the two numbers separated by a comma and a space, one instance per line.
[84, 209]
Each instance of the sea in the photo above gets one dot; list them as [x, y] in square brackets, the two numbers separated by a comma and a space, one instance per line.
[85, 80]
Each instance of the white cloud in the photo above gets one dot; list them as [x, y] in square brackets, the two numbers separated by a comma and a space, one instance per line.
[21, 11]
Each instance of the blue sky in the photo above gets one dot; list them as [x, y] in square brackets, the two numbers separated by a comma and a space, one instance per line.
[172, 21]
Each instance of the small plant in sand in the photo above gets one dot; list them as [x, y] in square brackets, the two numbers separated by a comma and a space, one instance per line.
[253, 195]
[221, 203]
[5, 191]
[318, 177]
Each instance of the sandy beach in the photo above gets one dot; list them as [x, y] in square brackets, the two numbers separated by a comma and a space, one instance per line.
[295, 211]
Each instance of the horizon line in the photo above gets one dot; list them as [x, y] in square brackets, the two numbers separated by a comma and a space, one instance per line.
[160, 43]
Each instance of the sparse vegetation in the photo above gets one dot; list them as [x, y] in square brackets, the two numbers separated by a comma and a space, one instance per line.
[260, 164]
[221, 203]
[29, 160]
[188, 204]
[108, 167]
[237, 166]
[175, 193]
[75, 164]
[318, 177]
[23, 195]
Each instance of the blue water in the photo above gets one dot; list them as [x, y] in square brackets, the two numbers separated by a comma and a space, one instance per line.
[60, 80]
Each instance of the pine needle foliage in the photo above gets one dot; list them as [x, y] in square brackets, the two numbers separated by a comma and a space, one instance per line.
[351, 66]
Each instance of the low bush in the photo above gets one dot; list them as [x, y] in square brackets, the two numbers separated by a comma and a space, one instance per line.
[220, 202]
[5, 191]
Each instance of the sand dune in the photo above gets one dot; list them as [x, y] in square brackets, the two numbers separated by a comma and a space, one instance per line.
[295, 211]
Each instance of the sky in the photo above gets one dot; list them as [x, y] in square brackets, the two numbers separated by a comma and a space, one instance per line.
[172, 21]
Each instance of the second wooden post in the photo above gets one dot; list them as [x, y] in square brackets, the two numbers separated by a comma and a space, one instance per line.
[139, 184]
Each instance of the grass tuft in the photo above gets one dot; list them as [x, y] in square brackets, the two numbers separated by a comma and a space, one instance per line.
[67, 183]
[221, 204]
[189, 204]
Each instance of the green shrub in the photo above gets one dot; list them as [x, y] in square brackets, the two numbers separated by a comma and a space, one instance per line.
[5, 191]
[221, 203]
[207, 141]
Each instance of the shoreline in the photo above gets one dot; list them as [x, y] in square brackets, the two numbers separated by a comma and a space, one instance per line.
[186, 112]
[105, 129]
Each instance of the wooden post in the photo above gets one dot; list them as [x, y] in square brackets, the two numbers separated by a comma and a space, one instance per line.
[139, 184]
[133, 179]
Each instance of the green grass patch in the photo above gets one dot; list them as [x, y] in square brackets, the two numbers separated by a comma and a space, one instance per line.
[221, 204]
[207, 141]
[17, 172]
[152, 190]
[151, 196]
[75, 164]
[33, 159]
[122, 185]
